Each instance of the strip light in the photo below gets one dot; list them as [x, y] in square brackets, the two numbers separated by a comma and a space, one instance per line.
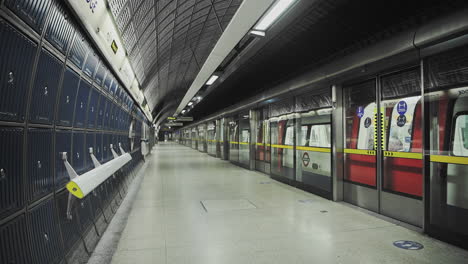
[212, 79]
[278, 8]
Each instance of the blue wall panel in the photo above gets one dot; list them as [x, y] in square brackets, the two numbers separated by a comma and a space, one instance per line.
[78, 160]
[99, 152]
[14, 246]
[93, 108]
[90, 143]
[63, 143]
[44, 235]
[91, 64]
[39, 163]
[49, 70]
[67, 98]
[32, 12]
[100, 74]
[70, 227]
[79, 50]
[15, 72]
[60, 29]
[81, 105]
[11, 170]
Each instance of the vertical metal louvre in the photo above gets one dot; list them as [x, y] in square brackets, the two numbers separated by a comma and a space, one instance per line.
[32, 12]
[49, 70]
[39, 163]
[11, 170]
[15, 72]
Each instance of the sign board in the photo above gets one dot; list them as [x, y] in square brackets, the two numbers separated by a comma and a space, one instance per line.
[185, 119]
[174, 124]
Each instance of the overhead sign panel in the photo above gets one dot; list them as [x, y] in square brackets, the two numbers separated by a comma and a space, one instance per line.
[185, 119]
[174, 124]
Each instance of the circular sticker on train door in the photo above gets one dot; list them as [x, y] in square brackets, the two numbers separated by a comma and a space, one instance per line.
[305, 159]
[401, 120]
[402, 107]
[367, 122]
[360, 111]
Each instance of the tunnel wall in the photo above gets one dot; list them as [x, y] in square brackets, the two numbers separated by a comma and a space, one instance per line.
[57, 95]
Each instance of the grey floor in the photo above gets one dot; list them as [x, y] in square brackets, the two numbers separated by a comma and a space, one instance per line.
[193, 208]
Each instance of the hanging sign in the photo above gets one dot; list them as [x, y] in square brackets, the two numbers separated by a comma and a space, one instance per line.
[402, 107]
[360, 111]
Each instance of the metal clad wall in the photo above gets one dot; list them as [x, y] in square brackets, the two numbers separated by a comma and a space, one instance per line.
[44, 234]
[14, 242]
[92, 108]
[91, 64]
[39, 163]
[67, 98]
[63, 140]
[78, 161]
[11, 170]
[60, 29]
[33, 12]
[100, 74]
[70, 227]
[81, 104]
[79, 50]
[15, 72]
[49, 70]
[38, 93]
[90, 143]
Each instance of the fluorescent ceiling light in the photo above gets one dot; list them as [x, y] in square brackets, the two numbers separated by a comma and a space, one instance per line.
[278, 8]
[257, 33]
[212, 79]
[190, 103]
[183, 111]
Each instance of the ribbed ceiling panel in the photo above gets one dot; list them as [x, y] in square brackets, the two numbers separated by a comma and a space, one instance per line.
[168, 40]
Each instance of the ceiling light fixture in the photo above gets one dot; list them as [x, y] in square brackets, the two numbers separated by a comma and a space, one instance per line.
[183, 111]
[212, 79]
[278, 8]
[190, 103]
[258, 33]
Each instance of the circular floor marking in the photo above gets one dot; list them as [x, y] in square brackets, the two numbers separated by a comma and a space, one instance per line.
[408, 245]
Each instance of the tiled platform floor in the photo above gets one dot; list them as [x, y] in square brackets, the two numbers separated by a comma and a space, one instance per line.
[169, 224]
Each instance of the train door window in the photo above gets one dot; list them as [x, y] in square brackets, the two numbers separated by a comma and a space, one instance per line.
[282, 144]
[234, 140]
[460, 140]
[244, 140]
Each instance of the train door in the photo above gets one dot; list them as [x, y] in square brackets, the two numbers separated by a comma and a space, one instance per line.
[234, 140]
[383, 139]
[313, 152]
[262, 145]
[446, 105]
[282, 148]
[244, 140]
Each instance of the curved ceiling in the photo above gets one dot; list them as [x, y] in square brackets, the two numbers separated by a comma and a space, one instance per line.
[168, 41]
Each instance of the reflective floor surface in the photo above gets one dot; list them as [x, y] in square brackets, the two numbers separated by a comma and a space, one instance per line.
[193, 208]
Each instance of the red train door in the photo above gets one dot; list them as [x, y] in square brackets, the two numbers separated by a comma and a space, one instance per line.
[383, 154]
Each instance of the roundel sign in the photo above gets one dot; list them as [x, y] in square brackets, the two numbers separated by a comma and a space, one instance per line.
[305, 159]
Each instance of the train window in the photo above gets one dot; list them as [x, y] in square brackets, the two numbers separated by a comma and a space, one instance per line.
[401, 124]
[320, 136]
[289, 140]
[460, 142]
[303, 136]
